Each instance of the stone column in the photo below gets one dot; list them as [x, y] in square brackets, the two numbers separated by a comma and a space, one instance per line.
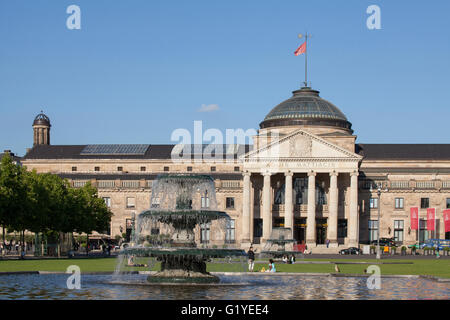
[267, 210]
[353, 232]
[333, 209]
[288, 203]
[245, 236]
[41, 131]
[311, 218]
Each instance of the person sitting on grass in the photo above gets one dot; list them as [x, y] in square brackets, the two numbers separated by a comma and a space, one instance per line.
[132, 264]
[271, 266]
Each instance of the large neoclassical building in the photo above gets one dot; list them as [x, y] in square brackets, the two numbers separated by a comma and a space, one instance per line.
[304, 171]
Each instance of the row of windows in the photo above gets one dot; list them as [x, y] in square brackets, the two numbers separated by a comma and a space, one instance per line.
[399, 226]
[131, 202]
[166, 169]
[399, 203]
[402, 184]
[205, 231]
[230, 235]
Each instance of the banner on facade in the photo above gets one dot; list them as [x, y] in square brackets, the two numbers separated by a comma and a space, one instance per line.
[414, 218]
[431, 214]
[447, 220]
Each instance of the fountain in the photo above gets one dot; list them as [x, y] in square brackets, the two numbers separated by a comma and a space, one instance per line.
[276, 245]
[182, 229]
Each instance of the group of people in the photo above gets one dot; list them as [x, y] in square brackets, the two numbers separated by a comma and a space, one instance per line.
[106, 249]
[271, 266]
[18, 246]
[289, 260]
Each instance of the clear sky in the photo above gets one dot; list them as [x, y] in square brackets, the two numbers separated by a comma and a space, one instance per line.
[137, 70]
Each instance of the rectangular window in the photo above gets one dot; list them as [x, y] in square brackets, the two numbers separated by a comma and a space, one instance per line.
[342, 228]
[205, 229]
[278, 222]
[424, 203]
[230, 235]
[107, 201]
[74, 168]
[423, 232]
[131, 202]
[448, 203]
[189, 169]
[257, 227]
[205, 201]
[119, 168]
[213, 169]
[230, 203]
[398, 230]
[398, 203]
[237, 169]
[143, 169]
[128, 223]
[166, 168]
[373, 230]
[97, 169]
[373, 203]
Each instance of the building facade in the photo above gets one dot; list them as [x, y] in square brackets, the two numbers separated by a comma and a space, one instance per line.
[304, 172]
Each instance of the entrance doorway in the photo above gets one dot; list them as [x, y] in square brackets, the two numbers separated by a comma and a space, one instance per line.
[321, 231]
[300, 230]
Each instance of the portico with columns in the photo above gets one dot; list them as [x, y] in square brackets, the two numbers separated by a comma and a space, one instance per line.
[306, 184]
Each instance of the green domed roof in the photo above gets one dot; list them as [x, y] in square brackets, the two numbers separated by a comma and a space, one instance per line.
[306, 107]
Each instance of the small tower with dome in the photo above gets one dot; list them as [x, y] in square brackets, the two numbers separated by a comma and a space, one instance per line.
[41, 130]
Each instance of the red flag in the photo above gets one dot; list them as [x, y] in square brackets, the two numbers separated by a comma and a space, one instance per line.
[414, 218]
[447, 220]
[430, 218]
[300, 50]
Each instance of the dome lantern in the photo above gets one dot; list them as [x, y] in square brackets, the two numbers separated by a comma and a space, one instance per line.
[41, 130]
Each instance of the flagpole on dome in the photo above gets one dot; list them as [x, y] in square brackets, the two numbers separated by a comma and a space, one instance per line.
[303, 49]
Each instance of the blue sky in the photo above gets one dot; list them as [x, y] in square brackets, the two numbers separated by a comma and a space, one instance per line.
[137, 70]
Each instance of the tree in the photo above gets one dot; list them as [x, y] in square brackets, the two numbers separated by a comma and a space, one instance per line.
[47, 203]
[13, 194]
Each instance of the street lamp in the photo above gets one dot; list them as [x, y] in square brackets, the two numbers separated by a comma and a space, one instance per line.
[133, 218]
[379, 226]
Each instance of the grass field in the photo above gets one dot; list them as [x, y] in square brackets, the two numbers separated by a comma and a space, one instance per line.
[439, 268]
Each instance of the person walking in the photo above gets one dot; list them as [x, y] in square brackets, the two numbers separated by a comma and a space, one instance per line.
[251, 259]
[328, 243]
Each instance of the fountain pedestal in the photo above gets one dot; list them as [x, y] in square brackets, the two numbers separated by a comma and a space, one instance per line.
[182, 269]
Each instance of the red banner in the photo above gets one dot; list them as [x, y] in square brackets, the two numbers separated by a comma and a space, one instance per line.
[414, 218]
[447, 220]
[431, 214]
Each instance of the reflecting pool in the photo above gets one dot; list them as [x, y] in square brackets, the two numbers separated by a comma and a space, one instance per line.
[236, 287]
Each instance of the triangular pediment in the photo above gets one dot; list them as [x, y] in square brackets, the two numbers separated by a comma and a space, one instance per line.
[301, 145]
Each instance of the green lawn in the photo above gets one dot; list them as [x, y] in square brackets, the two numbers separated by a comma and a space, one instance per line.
[440, 268]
